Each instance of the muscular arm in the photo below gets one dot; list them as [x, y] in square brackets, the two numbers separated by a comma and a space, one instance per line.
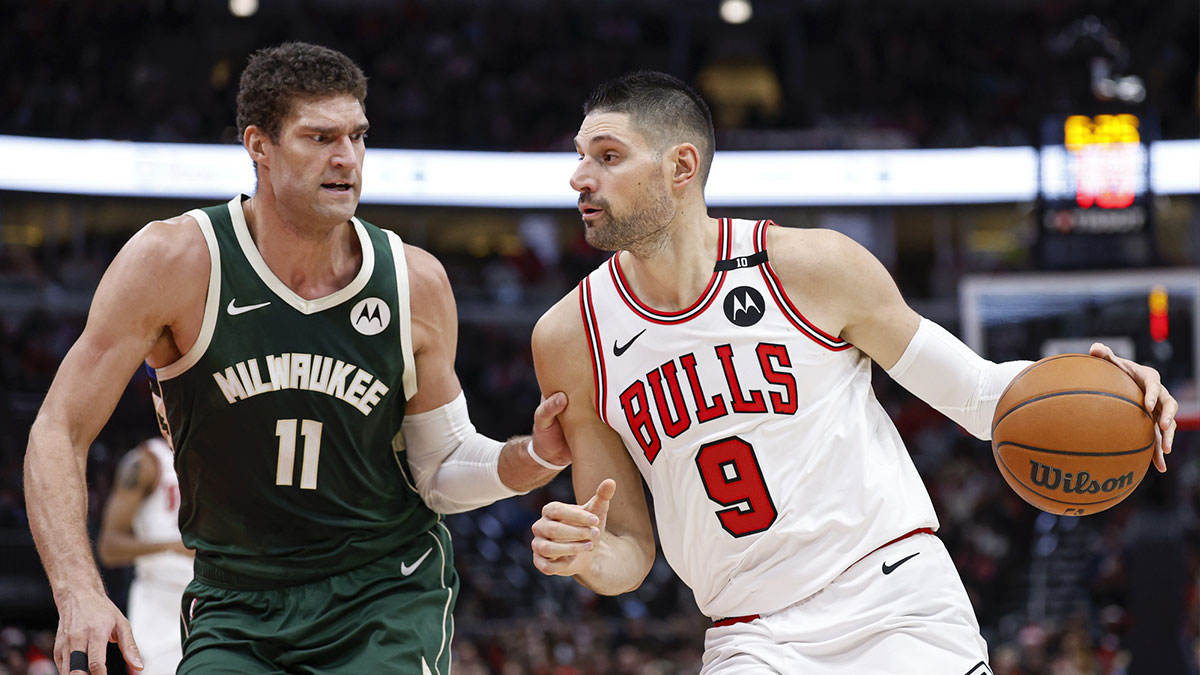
[852, 293]
[613, 552]
[117, 545]
[435, 340]
[844, 290]
[137, 303]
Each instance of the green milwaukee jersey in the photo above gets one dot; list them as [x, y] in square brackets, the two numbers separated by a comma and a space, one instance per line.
[285, 413]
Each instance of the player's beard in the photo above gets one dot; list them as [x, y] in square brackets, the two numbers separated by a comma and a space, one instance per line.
[642, 232]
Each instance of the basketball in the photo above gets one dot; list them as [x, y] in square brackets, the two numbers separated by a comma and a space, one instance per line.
[1070, 435]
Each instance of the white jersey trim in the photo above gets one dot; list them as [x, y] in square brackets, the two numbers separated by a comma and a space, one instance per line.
[404, 306]
[212, 304]
[447, 617]
[254, 257]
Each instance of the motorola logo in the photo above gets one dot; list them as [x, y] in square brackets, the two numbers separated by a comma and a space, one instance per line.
[744, 306]
[370, 316]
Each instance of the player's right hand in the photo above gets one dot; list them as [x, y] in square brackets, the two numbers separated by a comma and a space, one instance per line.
[565, 538]
[87, 622]
[1161, 404]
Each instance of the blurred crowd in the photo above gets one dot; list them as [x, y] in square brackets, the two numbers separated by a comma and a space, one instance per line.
[511, 75]
[1111, 594]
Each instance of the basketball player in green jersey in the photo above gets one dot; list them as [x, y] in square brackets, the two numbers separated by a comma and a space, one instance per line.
[291, 342]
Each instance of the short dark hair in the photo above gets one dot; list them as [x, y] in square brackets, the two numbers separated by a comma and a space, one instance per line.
[663, 108]
[276, 77]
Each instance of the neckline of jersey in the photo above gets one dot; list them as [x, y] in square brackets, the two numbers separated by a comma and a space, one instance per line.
[280, 289]
[625, 289]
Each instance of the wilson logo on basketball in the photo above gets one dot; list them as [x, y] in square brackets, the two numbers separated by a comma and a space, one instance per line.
[1053, 478]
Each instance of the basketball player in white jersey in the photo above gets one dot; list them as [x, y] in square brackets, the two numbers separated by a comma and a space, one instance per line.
[141, 527]
[730, 367]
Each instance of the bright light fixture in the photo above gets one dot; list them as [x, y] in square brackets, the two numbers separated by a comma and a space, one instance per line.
[736, 11]
[243, 8]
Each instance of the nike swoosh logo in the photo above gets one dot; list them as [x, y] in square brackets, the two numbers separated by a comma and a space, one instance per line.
[619, 350]
[888, 569]
[234, 310]
[406, 570]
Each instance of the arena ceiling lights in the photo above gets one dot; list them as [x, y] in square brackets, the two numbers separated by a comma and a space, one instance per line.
[539, 180]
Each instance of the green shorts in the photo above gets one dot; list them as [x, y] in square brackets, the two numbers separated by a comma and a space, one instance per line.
[390, 616]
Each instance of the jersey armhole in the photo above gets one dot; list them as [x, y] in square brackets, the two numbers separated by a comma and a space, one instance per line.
[775, 286]
[588, 314]
[212, 304]
[409, 379]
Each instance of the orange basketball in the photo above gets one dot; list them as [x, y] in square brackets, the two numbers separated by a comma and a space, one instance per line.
[1070, 435]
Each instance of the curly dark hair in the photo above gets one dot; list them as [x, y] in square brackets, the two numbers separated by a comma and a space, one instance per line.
[276, 76]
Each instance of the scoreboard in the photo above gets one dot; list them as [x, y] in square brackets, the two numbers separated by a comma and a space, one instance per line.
[1095, 204]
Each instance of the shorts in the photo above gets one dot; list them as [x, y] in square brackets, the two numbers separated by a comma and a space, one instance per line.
[154, 617]
[902, 610]
[393, 615]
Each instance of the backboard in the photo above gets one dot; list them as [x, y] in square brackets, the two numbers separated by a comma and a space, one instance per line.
[1030, 316]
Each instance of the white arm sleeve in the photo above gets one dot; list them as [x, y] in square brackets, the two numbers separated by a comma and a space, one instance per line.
[455, 467]
[942, 371]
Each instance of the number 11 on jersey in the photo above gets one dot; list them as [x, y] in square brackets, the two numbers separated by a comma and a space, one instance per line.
[286, 431]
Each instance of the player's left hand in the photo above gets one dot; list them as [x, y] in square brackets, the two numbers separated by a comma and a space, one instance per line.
[1158, 401]
[549, 442]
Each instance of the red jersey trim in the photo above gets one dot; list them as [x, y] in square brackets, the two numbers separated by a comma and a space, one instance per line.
[724, 246]
[592, 328]
[735, 620]
[785, 304]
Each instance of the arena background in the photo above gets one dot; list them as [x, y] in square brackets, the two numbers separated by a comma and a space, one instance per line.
[1110, 593]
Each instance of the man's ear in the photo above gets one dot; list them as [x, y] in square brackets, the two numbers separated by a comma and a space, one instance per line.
[685, 160]
[255, 141]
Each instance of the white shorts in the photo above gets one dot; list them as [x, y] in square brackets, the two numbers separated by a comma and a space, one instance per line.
[154, 617]
[915, 619]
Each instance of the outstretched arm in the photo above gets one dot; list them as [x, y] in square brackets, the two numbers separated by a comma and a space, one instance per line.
[606, 540]
[857, 299]
[455, 467]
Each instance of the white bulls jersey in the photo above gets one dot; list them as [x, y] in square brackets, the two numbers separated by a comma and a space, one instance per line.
[157, 519]
[772, 467]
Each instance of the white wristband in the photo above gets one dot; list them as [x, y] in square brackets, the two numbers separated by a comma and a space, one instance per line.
[537, 458]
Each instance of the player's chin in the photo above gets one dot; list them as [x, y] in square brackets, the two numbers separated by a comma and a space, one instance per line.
[339, 207]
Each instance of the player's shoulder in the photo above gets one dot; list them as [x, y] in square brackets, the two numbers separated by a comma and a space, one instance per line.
[811, 254]
[183, 227]
[427, 278]
[560, 345]
[431, 299]
[170, 242]
[424, 269]
[807, 242]
[561, 322]
[165, 256]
